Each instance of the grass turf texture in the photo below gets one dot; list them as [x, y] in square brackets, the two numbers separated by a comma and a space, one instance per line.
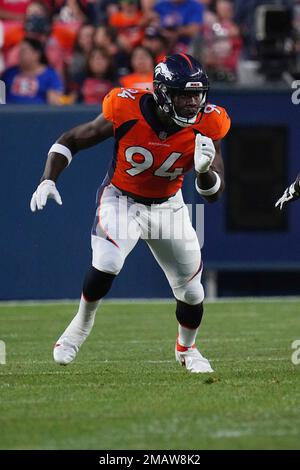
[125, 390]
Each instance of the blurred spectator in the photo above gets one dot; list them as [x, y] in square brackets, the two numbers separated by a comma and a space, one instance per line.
[142, 63]
[32, 81]
[147, 5]
[180, 21]
[129, 23]
[68, 18]
[36, 24]
[106, 37]
[221, 43]
[103, 10]
[72, 10]
[206, 3]
[76, 68]
[156, 43]
[13, 10]
[212, 30]
[98, 81]
[58, 38]
[37, 19]
[14, 30]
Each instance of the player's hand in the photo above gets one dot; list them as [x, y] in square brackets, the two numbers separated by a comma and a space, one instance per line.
[46, 190]
[290, 194]
[204, 153]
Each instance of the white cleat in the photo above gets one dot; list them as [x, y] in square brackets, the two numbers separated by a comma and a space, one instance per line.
[65, 351]
[192, 360]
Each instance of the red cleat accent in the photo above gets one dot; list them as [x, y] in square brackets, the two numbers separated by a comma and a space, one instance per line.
[181, 348]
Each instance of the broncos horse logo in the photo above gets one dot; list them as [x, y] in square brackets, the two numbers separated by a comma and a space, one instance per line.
[162, 69]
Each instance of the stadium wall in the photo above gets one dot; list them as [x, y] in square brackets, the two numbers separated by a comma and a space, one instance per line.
[45, 255]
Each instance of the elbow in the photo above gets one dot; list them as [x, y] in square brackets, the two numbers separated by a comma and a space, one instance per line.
[67, 139]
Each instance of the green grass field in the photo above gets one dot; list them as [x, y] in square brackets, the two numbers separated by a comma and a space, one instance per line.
[125, 390]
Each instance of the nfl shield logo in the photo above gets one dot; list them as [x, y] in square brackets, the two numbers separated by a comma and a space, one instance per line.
[163, 135]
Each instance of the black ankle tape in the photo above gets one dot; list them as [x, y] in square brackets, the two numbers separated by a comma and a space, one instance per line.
[189, 315]
[96, 284]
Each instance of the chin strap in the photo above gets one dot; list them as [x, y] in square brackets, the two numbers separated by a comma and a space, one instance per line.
[186, 122]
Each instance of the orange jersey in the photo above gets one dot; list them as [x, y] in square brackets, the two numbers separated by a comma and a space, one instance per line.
[148, 162]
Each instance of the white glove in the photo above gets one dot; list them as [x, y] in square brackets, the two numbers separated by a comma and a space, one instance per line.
[290, 194]
[204, 153]
[46, 190]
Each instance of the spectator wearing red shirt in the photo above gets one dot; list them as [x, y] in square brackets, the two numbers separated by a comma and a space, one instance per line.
[98, 81]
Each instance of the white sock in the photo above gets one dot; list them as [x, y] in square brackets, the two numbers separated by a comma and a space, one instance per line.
[186, 336]
[82, 324]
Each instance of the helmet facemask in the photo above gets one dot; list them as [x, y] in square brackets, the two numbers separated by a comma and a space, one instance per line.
[195, 119]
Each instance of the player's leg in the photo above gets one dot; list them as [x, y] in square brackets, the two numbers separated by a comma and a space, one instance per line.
[179, 256]
[96, 285]
[109, 253]
[189, 318]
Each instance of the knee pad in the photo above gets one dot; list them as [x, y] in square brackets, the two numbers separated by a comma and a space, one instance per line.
[189, 316]
[96, 284]
[107, 257]
[191, 293]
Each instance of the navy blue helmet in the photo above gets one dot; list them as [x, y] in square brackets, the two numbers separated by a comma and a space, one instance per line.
[179, 72]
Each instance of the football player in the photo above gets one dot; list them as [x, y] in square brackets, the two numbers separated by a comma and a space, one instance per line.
[290, 194]
[159, 137]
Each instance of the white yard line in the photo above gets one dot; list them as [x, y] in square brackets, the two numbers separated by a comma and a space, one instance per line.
[117, 361]
[225, 300]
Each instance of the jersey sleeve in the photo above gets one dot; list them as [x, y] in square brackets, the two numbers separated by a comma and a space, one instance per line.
[108, 106]
[119, 105]
[225, 124]
[218, 122]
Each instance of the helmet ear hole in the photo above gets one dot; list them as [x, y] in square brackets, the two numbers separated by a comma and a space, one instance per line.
[162, 97]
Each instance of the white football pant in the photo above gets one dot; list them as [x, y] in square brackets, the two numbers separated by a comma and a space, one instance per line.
[166, 228]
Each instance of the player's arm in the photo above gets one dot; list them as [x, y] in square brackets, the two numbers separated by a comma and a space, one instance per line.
[61, 153]
[79, 138]
[209, 168]
[290, 194]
